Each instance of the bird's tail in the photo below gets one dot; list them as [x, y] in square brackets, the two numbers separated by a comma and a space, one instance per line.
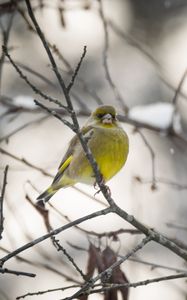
[45, 196]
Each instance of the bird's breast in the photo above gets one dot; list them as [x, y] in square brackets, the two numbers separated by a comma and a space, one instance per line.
[109, 148]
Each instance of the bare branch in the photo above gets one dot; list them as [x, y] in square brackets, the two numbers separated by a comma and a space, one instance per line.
[76, 70]
[48, 291]
[2, 199]
[59, 247]
[18, 273]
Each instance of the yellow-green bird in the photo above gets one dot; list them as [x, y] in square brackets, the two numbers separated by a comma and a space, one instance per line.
[108, 143]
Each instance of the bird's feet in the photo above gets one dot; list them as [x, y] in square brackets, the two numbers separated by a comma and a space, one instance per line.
[40, 204]
[104, 188]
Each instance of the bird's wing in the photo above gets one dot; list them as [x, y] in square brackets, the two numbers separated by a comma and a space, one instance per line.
[69, 153]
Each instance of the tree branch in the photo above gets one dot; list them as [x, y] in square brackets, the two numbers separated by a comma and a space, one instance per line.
[2, 200]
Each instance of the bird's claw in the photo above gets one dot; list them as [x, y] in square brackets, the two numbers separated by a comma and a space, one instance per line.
[40, 204]
[106, 187]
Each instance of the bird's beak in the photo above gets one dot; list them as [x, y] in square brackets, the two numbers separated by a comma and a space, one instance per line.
[107, 119]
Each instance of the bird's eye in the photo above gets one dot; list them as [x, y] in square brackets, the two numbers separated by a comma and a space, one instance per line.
[100, 116]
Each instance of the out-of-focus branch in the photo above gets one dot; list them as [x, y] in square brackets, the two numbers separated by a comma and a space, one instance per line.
[109, 234]
[160, 180]
[33, 87]
[175, 100]
[155, 266]
[14, 132]
[177, 226]
[6, 34]
[132, 42]
[2, 200]
[153, 181]
[24, 161]
[116, 93]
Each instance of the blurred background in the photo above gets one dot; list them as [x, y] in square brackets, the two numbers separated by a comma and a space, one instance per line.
[146, 61]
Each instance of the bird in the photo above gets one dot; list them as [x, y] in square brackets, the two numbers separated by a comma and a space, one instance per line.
[109, 145]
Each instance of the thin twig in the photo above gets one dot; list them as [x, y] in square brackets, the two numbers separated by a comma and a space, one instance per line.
[48, 291]
[76, 70]
[18, 273]
[59, 247]
[2, 200]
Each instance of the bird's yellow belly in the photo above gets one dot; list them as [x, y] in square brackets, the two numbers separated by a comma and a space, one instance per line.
[110, 157]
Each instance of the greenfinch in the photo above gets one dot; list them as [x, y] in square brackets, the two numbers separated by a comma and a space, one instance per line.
[109, 145]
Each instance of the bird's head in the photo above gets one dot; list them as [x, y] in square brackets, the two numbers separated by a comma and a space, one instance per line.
[105, 116]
